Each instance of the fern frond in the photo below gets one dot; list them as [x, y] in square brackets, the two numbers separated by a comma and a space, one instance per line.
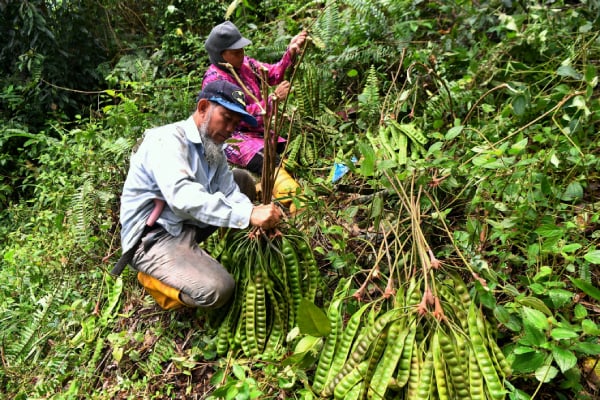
[369, 100]
[368, 9]
[327, 26]
[88, 203]
[368, 54]
[83, 204]
[446, 104]
[162, 352]
[118, 150]
[25, 346]
[34, 330]
[309, 92]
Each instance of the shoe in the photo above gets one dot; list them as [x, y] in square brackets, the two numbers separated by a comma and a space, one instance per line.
[165, 296]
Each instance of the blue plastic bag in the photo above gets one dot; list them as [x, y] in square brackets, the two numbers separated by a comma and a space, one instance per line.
[339, 170]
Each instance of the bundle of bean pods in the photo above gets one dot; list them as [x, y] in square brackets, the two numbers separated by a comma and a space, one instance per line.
[391, 141]
[432, 342]
[272, 275]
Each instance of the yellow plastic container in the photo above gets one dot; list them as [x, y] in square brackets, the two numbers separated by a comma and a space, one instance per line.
[284, 187]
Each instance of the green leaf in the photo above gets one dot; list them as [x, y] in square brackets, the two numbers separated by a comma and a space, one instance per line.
[535, 325]
[453, 132]
[307, 343]
[580, 311]
[535, 318]
[305, 349]
[593, 256]
[527, 362]
[568, 71]
[563, 333]
[535, 303]
[487, 161]
[501, 314]
[587, 348]
[312, 320]
[590, 74]
[546, 373]
[549, 231]
[115, 288]
[571, 248]
[565, 359]
[377, 207]
[117, 353]
[238, 372]
[589, 327]
[232, 393]
[519, 104]
[367, 166]
[544, 272]
[523, 350]
[573, 192]
[518, 147]
[586, 287]
[504, 317]
[560, 297]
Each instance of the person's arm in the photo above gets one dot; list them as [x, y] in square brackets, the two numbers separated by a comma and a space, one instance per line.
[276, 72]
[265, 216]
[169, 162]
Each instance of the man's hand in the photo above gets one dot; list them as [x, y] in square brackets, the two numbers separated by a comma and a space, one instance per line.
[266, 216]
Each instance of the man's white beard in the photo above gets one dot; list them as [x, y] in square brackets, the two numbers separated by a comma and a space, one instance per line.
[212, 151]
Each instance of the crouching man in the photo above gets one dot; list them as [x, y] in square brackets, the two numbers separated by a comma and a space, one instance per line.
[178, 191]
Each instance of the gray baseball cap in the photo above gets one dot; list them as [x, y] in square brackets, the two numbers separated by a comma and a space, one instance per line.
[225, 36]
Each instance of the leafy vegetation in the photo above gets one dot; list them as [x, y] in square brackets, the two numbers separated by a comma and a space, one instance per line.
[467, 213]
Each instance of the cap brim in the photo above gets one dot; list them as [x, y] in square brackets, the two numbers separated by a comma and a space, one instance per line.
[246, 117]
[243, 42]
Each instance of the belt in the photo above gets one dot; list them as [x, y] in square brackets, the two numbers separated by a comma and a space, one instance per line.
[128, 255]
[150, 226]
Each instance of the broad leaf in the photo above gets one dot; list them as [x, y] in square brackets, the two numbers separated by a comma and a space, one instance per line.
[546, 373]
[536, 304]
[519, 147]
[519, 104]
[549, 231]
[528, 362]
[580, 311]
[535, 324]
[563, 333]
[571, 248]
[312, 320]
[573, 192]
[367, 165]
[560, 297]
[453, 132]
[543, 273]
[590, 327]
[586, 287]
[587, 348]
[593, 256]
[565, 359]
[307, 343]
[567, 70]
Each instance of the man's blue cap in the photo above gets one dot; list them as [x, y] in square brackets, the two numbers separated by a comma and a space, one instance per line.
[229, 96]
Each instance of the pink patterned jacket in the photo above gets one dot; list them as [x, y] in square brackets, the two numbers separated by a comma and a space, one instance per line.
[249, 140]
